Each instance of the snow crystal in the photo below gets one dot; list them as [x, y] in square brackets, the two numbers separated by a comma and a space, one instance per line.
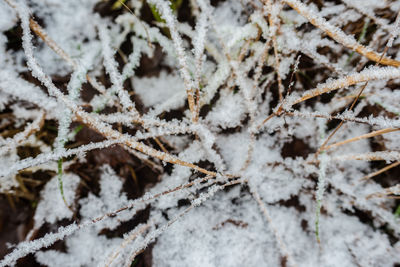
[157, 90]
[51, 207]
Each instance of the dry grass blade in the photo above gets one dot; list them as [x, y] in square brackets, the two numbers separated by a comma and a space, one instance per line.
[160, 145]
[265, 120]
[126, 241]
[50, 42]
[391, 192]
[20, 137]
[371, 175]
[273, 21]
[364, 136]
[371, 156]
[363, 76]
[263, 208]
[170, 19]
[152, 235]
[351, 97]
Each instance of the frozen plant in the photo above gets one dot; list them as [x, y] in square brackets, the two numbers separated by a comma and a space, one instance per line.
[268, 124]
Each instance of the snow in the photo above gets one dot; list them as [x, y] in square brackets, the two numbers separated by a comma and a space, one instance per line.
[229, 113]
[111, 66]
[72, 37]
[154, 91]
[92, 207]
[51, 207]
[110, 190]
[228, 237]
[8, 17]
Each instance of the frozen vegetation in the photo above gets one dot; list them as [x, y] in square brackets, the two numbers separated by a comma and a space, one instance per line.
[272, 126]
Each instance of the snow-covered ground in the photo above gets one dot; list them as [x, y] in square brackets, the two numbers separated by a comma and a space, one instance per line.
[238, 116]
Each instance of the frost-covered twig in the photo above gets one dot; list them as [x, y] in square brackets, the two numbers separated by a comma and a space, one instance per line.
[199, 43]
[19, 137]
[337, 34]
[170, 19]
[83, 116]
[52, 156]
[347, 116]
[130, 238]
[195, 203]
[111, 68]
[370, 156]
[25, 248]
[370, 74]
